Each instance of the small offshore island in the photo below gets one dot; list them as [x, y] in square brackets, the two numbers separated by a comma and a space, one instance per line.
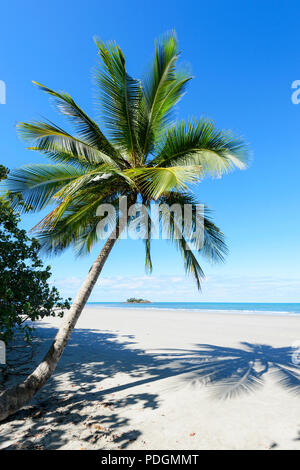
[133, 300]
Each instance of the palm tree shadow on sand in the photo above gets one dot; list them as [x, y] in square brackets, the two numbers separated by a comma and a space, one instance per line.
[229, 372]
[93, 356]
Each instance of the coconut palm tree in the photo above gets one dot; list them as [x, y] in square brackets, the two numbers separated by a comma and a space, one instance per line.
[145, 157]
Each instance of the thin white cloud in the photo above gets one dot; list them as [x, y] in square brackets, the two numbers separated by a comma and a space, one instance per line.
[215, 288]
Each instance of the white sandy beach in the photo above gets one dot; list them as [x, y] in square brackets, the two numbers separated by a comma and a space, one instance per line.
[150, 379]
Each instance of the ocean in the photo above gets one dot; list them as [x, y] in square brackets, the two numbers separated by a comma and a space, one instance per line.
[232, 307]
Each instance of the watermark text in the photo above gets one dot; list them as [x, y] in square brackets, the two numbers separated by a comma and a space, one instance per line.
[2, 92]
[155, 221]
[295, 97]
[2, 352]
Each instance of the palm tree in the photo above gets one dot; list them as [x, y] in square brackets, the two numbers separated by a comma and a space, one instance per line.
[146, 157]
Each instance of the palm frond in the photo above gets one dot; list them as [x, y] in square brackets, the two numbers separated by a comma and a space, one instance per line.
[120, 96]
[148, 259]
[81, 197]
[92, 232]
[95, 180]
[175, 231]
[38, 183]
[76, 226]
[200, 143]
[162, 89]
[59, 155]
[156, 181]
[211, 243]
[49, 136]
[86, 127]
[145, 223]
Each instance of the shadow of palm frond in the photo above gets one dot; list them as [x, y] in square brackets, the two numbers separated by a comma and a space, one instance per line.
[233, 371]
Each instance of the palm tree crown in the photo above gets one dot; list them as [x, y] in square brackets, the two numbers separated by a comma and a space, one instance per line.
[146, 156]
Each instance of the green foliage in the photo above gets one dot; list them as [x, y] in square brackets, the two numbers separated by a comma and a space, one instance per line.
[145, 156]
[133, 300]
[24, 291]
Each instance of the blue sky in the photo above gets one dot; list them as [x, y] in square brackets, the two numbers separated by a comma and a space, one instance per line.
[244, 56]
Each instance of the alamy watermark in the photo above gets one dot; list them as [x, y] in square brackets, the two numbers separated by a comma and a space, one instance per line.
[296, 353]
[295, 97]
[157, 221]
[2, 352]
[2, 92]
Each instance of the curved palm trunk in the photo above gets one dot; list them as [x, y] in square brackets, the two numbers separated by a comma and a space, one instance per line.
[13, 399]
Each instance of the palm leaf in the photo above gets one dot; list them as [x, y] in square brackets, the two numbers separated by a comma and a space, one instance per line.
[50, 136]
[200, 143]
[76, 225]
[120, 95]
[211, 243]
[87, 129]
[162, 89]
[59, 155]
[38, 183]
[153, 182]
[176, 234]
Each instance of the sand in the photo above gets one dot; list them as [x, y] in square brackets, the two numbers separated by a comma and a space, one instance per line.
[150, 379]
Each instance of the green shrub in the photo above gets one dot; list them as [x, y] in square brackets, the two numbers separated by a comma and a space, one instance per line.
[24, 290]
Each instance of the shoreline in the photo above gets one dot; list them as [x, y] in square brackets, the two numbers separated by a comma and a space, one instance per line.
[100, 305]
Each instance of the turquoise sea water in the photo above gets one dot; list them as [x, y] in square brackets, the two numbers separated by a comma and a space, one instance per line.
[263, 308]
